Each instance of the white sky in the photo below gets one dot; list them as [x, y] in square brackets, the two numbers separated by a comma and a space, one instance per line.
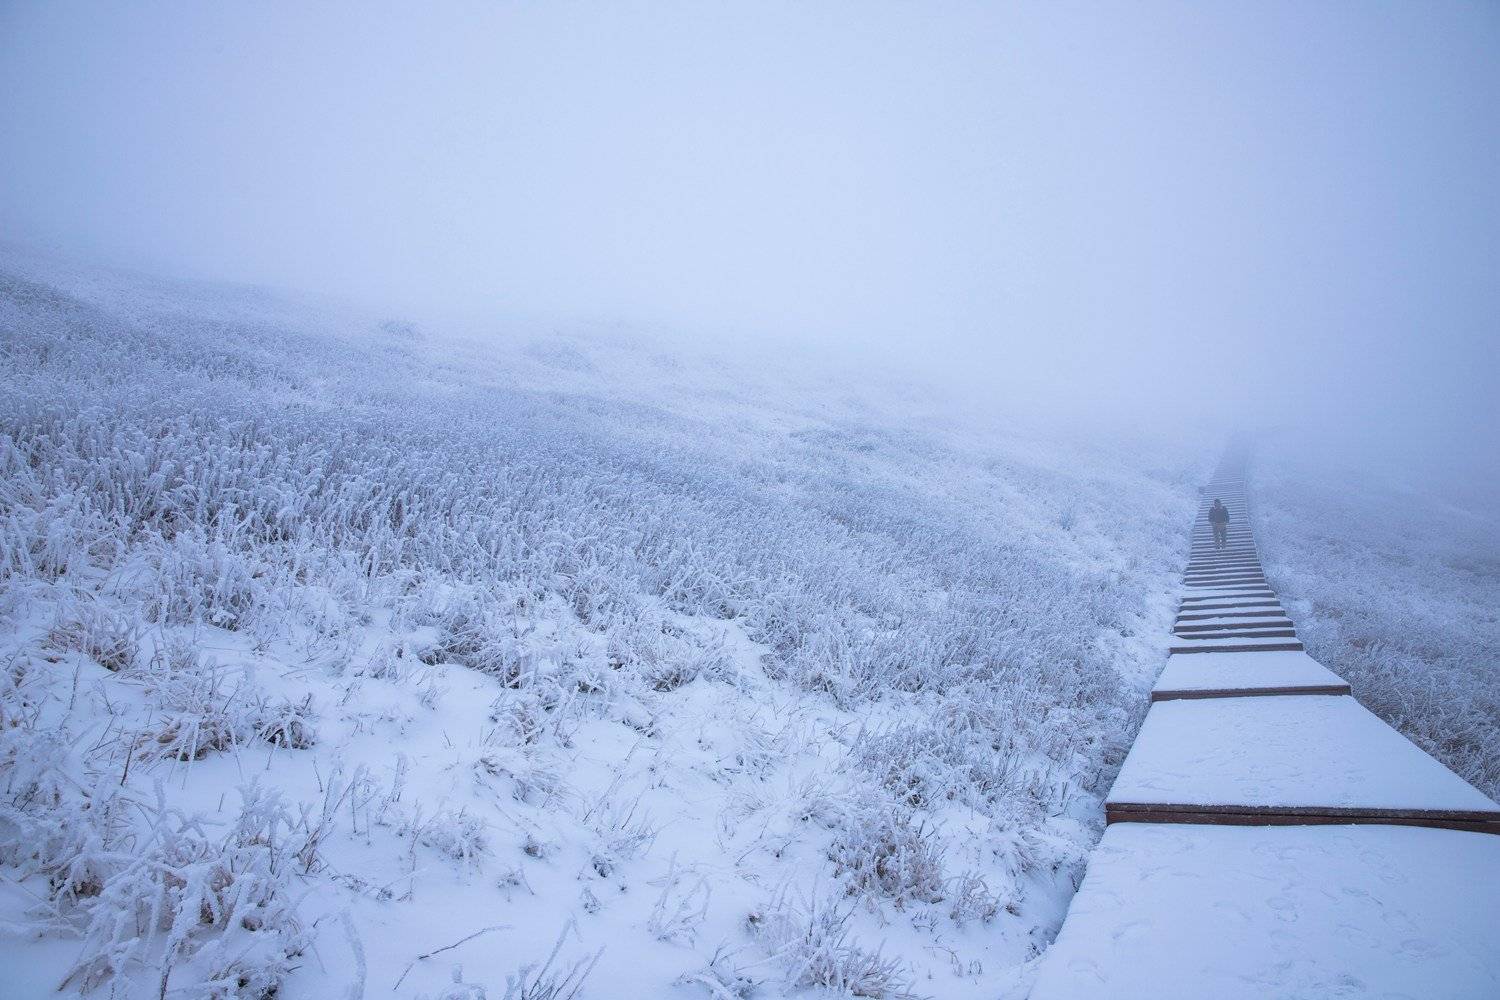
[1248, 206]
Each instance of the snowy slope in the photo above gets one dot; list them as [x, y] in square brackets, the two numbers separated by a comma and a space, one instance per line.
[1396, 588]
[329, 642]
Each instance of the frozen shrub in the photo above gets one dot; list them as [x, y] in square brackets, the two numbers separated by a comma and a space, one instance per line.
[201, 580]
[60, 537]
[621, 831]
[532, 772]
[198, 711]
[549, 980]
[663, 655]
[220, 909]
[970, 898]
[482, 633]
[812, 942]
[108, 639]
[722, 978]
[919, 767]
[76, 851]
[682, 906]
[285, 723]
[543, 710]
[884, 851]
[458, 835]
[34, 764]
[394, 663]
[20, 694]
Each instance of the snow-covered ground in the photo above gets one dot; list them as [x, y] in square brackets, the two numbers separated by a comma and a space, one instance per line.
[1394, 584]
[328, 643]
[1245, 913]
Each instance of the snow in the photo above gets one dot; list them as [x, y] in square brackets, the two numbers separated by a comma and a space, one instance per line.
[1294, 913]
[1298, 751]
[1247, 672]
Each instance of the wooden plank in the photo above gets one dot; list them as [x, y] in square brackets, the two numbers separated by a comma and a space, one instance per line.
[1249, 692]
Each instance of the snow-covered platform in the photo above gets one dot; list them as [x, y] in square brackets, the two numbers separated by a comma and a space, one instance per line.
[1240, 913]
[1286, 759]
[1229, 675]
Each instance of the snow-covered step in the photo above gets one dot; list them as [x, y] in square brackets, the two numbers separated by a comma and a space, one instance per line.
[1235, 645]
[1250, 632]
[1252, 565]
[1201, 596]
[1246, 584]
[1269, 632]
[1230, 675]
[1237, 590]
[1227, 585]
[1242, 595]
[1199, 629]
[1228, 606]
[1217, 571]
[1223, 567]
[1235, 913]
[1232, 625]
[1199, 626]
[1238, 577]
[1270, 610]
[1285, 759]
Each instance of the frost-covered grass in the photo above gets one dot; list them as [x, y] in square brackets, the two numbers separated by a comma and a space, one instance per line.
[326, 644]
[1396, 588]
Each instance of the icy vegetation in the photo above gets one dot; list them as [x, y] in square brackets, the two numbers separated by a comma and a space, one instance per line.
[1396, 588]
[343, 658]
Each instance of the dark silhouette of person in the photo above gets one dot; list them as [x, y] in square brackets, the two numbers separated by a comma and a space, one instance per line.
[1218, 516]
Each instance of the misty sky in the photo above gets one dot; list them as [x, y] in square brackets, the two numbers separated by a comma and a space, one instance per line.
[1290, 206]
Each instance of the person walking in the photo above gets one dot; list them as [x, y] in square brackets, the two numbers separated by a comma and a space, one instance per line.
[1218, 516]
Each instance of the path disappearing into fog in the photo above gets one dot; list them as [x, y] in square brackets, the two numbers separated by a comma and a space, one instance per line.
[1269, 836]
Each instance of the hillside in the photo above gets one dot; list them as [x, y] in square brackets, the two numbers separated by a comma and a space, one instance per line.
[330, 641]
[1396, 587]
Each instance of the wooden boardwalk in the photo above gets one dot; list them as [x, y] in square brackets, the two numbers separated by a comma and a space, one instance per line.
[1262, 833]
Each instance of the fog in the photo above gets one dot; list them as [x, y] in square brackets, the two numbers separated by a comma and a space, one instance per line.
[1256, 215]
